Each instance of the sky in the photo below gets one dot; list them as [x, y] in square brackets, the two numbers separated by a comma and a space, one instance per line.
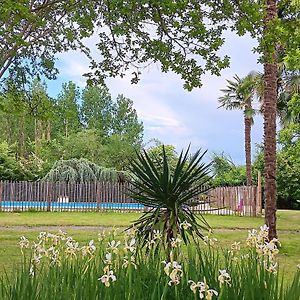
[173, 115]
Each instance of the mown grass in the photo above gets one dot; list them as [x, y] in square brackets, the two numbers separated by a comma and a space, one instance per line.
[286, 219]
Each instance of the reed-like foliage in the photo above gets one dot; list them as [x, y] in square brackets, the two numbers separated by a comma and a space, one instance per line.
[57, 267]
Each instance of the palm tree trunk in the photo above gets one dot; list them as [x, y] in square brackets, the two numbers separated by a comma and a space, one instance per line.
[248, 124]
[269, 111]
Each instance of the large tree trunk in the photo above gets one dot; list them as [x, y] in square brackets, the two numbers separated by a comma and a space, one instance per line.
[48, 130]
[21, 136]
[248, 124]
[37, 135]
[269, 110]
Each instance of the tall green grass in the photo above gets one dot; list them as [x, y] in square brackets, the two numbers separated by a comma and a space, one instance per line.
[57, 267]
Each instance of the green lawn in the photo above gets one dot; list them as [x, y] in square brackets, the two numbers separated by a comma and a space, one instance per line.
[227, 229]
[287, 220]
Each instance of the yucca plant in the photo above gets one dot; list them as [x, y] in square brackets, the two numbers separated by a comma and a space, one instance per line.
[169, 195]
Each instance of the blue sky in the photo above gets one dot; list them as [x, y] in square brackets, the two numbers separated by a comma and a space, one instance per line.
[174, 115]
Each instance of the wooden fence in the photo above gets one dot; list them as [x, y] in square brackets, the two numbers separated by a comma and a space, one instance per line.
[101, 196]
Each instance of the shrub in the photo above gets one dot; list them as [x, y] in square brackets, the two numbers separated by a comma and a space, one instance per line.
[169, 194]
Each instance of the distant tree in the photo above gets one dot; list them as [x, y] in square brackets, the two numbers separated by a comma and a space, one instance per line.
[156, 154]
[13, 116]
[97, 109]
[239, 95]
[81, 170]
[288, 176]
[83, 144]
[41, 109]
[288, 169]
[125, 121]
[10, 169]
[68, 108]
[225, 172]
[118, 152]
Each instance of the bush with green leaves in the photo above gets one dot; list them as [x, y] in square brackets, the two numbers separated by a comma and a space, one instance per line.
[226, 173]
[156, 154]
[82, 170]
[10, 168]
[169, 194]
[55, 266]
[288, 175]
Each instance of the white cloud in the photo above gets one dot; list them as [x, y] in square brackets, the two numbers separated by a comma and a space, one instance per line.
[174, 115]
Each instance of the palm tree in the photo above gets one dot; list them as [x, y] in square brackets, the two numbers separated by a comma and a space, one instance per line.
[269, 114]
[278, 82]
[289, 85]
[239, 95]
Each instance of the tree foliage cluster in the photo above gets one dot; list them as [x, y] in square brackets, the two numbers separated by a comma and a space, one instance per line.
[33, 31]
[37, 130]
[82, 170]
[226, 173]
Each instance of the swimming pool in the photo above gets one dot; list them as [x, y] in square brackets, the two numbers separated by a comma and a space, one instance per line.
[25, 205]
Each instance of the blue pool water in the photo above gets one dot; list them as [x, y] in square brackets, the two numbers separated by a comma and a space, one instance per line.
[70, 205]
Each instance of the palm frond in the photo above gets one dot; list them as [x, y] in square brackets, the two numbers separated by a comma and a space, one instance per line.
[169, 194]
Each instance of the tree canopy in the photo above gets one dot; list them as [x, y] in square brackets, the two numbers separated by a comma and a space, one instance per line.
[39, 130]
[33, 31]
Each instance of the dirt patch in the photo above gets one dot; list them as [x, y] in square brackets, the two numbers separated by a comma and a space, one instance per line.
[54, 228]
[102, 228]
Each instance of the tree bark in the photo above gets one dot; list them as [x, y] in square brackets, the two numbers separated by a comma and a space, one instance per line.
[21, 136]
[248, 124]
[48, 130]
[269, 112]
[37, 135]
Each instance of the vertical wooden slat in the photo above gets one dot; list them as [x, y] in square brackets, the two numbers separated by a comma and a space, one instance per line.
[106, 195]
[1, 190]
[74, 199]
[49, 195]
[36, 196]
[26, 192]
[102, 195]
[98, 196]
[86, 195]
[91, 199]
[259, 194]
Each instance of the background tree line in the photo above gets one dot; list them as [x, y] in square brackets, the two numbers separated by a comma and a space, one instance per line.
[37, 130]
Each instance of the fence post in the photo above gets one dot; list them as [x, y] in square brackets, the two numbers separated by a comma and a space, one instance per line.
[259, 194]
[98, 195]
[254, 201]
[49, 194]
[1, 189]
